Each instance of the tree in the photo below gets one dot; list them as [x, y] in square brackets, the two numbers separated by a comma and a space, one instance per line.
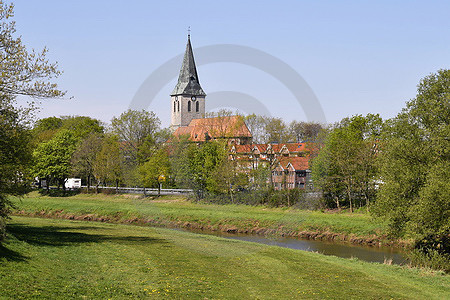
[107, 166]
[178, 148]
[226, 177]
[133, 128]
[84, 157]
[276, 131]
[257, 126]
[138, 134]
[81, 126]
[304, 131]
[52, 159]
[155, 169]
[196, 165]
[22, 73]
[15, 158]
[345, 168]
[414, 162]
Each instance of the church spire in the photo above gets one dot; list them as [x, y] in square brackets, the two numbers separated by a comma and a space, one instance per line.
[188, 83]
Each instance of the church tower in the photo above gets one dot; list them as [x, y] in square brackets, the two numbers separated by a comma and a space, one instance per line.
[188, 97]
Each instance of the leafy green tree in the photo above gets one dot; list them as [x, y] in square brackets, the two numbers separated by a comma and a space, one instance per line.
[84, 157]
[138, 135]
[345, 168]
[178, 149]
[15, 158]
[276, 131]
[52, 159]
[196, 166]
[107, 166]
[134, 128]
[156, 169]
[22, 73]
[44, 129]
[414, 162]
[81, 126]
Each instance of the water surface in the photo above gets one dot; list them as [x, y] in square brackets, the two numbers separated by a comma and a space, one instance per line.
[366, 253]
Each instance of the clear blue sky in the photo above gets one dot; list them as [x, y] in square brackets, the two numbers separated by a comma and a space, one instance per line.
[357, 56]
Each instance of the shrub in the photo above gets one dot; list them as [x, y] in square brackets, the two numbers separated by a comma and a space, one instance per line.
[58, 192]
[432, 259]
[284, 198]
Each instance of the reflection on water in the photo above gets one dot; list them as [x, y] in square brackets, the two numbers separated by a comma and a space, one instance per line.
[370, 254]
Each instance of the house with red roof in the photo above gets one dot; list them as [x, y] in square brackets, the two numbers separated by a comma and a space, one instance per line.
[289, 162]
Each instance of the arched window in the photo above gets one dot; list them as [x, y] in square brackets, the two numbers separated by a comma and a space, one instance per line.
[174, 106]
[197, 106]
[189, 105]
[178, 103]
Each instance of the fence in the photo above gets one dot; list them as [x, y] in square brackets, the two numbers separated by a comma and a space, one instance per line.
[145, 191]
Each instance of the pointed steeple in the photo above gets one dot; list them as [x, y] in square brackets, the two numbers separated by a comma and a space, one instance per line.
[188, 83]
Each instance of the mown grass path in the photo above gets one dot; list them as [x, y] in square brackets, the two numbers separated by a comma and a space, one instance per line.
[62, 259]
[170, 210]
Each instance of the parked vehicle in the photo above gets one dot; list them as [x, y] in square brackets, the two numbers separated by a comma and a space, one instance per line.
[73, 183]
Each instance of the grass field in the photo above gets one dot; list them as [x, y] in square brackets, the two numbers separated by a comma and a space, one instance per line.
[172, 209]
[62, 259]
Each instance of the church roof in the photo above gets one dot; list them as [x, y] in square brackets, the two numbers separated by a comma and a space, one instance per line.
[188, 83]
[218, 127]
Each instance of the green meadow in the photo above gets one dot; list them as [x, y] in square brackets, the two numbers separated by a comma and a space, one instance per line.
[123, 208]
[64, 259]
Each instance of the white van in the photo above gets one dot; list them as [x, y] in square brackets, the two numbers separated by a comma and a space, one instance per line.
[73, 183]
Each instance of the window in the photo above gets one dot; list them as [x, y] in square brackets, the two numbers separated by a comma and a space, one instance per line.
[197, 106]
[178, 104]
[174, 106]
[189, 105]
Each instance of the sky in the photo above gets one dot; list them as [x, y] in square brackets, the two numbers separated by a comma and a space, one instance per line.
[352, 57]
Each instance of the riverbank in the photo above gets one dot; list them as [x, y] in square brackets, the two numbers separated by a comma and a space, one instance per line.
[174, 211]
[52, 259]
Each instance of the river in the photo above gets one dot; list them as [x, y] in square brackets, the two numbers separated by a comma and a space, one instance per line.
[365, 253]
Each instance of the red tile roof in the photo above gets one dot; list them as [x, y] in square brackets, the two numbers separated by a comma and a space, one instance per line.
[243, 148]
[218, 127]
[261, 147]
[292, 147]
[299, 163]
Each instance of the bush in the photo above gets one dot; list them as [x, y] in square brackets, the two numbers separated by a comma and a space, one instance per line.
[58, 192]
[91, 190]
[284, 198]
[107, 191]
[432, 251]
[432, 259]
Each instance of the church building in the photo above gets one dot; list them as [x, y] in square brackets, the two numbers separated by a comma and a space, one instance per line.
[188, 97]
[188, 110]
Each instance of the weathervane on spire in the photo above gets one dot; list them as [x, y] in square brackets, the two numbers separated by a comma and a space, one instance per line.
[189, 31]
